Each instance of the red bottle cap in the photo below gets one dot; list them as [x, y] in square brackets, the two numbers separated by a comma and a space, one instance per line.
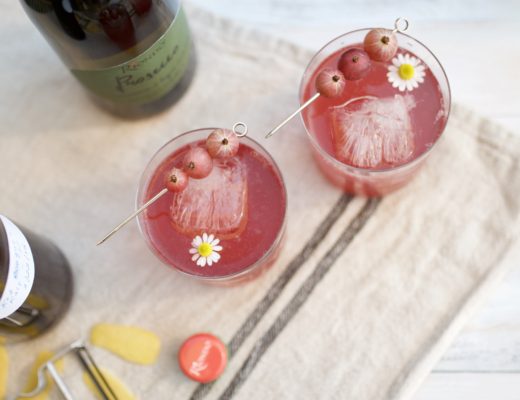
[203, 357]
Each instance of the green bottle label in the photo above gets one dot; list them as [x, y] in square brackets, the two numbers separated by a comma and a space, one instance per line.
[149, 76]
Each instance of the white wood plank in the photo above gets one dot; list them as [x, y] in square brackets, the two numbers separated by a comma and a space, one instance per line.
[470, 386]
[512, 123]
[337, 12]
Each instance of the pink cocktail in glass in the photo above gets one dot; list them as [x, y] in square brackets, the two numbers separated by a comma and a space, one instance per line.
[238, 210]
[372, 139]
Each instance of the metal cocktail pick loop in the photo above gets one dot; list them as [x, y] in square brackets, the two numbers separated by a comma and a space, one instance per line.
[240, 129]
[397, 28]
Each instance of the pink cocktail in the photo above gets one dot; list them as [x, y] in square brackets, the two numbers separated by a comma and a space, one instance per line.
[237, 212]
[372, 138]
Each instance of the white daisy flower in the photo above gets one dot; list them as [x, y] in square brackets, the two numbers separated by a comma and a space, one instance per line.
[406, 72]
[205, 250]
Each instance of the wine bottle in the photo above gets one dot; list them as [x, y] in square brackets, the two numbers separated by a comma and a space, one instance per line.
[36, 283]
[134, 57]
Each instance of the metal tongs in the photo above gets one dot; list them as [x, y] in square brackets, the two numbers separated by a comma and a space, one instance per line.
[80, 350]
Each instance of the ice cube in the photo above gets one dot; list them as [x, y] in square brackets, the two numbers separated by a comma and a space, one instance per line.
[216, 204]
[369, 132]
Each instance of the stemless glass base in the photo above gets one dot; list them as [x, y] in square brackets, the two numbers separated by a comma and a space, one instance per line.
[369, 184]
[253, 273]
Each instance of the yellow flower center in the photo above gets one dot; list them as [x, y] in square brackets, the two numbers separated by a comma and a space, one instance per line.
[205, 249]
[406, 71]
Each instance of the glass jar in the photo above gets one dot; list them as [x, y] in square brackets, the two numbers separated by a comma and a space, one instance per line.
[36, 283]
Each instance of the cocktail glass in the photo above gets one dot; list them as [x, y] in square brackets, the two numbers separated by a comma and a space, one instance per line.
[238, 211]
[425, 109]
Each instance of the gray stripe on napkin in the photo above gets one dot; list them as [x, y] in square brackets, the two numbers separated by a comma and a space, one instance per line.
[274, 292]
[324, 266]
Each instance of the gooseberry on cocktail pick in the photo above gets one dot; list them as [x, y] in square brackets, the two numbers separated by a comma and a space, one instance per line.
[222, 143]
[176, 180]
[380, 44]
[330, 83]
[355, 64]
[197, 164]
[351, 70]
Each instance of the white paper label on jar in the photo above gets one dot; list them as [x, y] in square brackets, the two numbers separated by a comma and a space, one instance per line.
[20, 272]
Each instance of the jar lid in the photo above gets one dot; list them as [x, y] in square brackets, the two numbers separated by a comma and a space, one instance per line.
[203, 357]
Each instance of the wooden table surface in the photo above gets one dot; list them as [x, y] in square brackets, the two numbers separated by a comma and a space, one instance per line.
[478, 43]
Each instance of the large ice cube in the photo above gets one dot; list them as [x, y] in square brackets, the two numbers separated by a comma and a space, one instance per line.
[216, 204]
[371, 132]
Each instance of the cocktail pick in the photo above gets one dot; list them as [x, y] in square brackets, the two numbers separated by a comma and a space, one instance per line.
[379, 45]
[197, 164]
[300, 109]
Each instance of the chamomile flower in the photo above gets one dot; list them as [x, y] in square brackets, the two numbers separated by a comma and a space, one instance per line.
[205, 250]
[405, 72]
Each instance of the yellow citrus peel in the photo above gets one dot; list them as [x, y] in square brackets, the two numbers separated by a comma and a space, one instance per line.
[130, 343]
[4, 368]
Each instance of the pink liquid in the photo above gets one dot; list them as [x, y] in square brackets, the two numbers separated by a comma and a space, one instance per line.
[428, 119]
[255, 241]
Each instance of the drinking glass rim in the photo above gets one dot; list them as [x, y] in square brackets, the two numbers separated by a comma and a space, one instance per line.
[274, 245]
[366, 171]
